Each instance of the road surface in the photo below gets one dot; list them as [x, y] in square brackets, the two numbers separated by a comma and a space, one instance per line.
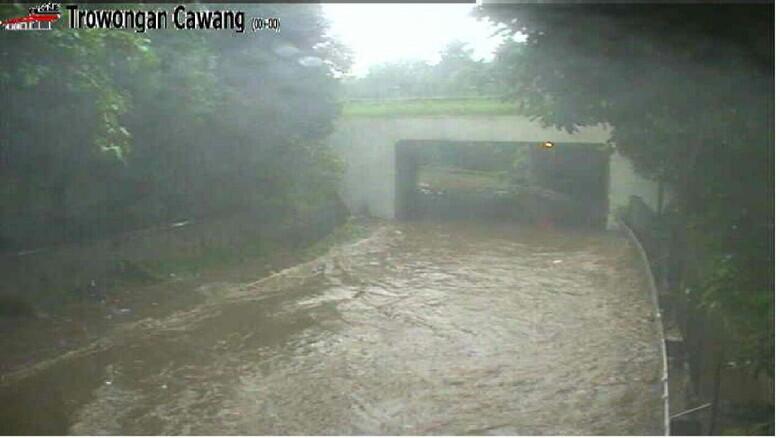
[419, 329]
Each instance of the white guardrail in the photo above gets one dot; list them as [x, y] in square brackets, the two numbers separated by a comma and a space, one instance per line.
[658, 321]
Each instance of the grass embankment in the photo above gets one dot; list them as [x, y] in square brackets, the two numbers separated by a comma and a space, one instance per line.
[147, 289]
[277, 250]
[257, 256]
[428, 107]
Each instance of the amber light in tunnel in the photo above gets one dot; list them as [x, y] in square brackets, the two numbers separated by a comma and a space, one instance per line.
[548, 145]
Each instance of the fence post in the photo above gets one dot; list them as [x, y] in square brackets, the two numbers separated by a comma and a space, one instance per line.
[660, 205]
[716, 391]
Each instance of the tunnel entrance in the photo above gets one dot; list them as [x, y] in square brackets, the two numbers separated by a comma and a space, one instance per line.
[566, 184]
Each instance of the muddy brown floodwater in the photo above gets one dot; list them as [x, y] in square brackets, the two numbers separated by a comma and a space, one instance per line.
[421, 328]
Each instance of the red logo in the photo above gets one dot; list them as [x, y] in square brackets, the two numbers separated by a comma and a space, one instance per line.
[39, 18]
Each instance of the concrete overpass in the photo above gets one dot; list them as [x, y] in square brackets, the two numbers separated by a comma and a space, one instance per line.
[368, 147]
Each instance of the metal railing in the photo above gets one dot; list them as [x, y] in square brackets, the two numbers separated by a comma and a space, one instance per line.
[658, 322]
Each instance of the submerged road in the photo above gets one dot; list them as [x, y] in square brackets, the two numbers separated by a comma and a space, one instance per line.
[418, 329]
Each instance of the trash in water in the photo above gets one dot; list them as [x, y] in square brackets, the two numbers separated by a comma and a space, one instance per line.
[557, 261]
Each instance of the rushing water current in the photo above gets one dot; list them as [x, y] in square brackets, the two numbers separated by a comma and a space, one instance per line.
[421, 328]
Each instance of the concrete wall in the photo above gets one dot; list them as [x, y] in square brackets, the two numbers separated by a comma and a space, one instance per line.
[368, 148]
[50, 271]
[625, 182]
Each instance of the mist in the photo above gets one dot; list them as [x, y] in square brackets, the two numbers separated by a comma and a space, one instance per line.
[272, 219]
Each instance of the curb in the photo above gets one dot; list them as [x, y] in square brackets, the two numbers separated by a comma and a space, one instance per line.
[658, 319]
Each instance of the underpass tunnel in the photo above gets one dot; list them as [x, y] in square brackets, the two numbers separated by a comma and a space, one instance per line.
[563, 185]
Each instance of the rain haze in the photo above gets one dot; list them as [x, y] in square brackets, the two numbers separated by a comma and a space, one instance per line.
[387, 219]
[382, 33]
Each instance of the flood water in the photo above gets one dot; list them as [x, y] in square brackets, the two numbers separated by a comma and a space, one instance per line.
[452, 328]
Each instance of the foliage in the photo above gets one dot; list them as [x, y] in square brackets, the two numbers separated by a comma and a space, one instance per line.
[111, 130]
[456, 74]
[428, 107]
[687, 90]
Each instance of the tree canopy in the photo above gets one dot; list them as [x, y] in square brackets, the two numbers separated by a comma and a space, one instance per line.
[456, 73]
[115, 130]
[687, 90]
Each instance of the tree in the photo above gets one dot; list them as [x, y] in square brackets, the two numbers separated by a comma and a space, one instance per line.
[110, 130]
[687, 90]
[456, 74]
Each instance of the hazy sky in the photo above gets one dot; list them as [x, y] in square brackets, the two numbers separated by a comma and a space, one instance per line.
[379, 33]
